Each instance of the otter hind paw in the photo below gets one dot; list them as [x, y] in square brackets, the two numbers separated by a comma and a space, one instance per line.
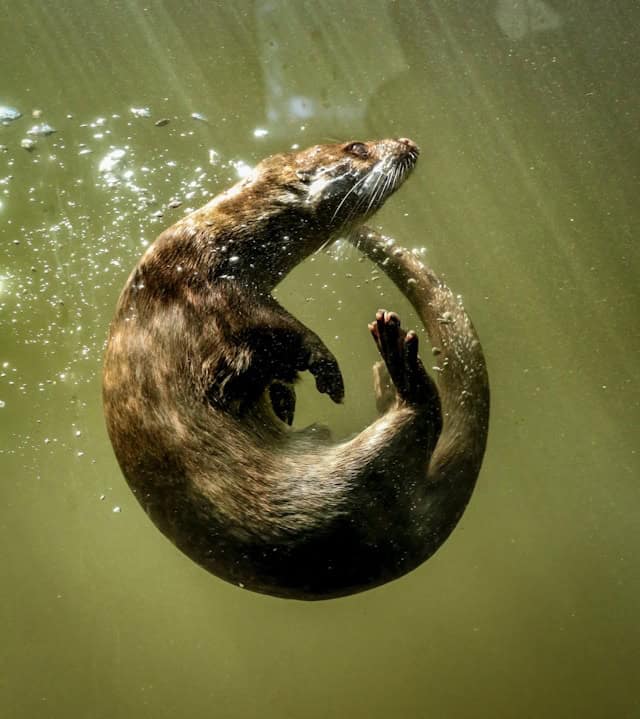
[399, 350]
[383, 387]
[283, 401]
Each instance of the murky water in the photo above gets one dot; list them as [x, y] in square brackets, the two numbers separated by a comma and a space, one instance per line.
[525, 197]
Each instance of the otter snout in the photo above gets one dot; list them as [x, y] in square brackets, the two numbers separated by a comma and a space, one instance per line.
[409, 144]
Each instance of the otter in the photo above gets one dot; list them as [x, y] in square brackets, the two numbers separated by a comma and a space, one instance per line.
[199, 397]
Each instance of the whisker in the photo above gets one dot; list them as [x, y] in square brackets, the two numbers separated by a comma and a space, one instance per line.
[359, 182]
[378, 191]
[373, 188]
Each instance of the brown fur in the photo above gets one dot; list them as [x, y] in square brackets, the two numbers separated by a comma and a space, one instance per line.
[198, 389]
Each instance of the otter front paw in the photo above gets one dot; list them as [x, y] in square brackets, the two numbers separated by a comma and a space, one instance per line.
[324, 367]
[283, 401]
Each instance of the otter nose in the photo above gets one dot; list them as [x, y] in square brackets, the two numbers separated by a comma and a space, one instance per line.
[410, 144]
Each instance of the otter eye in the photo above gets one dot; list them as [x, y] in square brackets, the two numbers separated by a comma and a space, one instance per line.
[304, 175]
[359, 149]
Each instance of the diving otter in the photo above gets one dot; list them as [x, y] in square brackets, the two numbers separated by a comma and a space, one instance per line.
[198, 388]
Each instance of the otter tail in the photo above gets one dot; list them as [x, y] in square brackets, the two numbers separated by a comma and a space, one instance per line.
[462, 379]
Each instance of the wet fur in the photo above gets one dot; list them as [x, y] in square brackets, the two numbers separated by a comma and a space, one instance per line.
[198, 389]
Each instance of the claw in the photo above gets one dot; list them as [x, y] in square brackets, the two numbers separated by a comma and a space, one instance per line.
[399, 350]
[328, 378]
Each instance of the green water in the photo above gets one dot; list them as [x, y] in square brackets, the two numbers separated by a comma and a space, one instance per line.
[525, 198]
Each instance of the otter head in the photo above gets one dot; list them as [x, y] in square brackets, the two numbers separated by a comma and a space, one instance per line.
[345, 184]
[292, 204]
[333, 187]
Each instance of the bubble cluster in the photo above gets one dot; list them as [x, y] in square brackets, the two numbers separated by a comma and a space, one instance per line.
[77, 212]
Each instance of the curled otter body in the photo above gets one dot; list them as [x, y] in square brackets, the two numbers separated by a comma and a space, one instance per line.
[198, 389]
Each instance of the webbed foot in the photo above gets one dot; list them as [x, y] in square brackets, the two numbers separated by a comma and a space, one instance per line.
[399, 350]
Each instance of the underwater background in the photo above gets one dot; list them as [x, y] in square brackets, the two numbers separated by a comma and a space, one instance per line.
[525, 199]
